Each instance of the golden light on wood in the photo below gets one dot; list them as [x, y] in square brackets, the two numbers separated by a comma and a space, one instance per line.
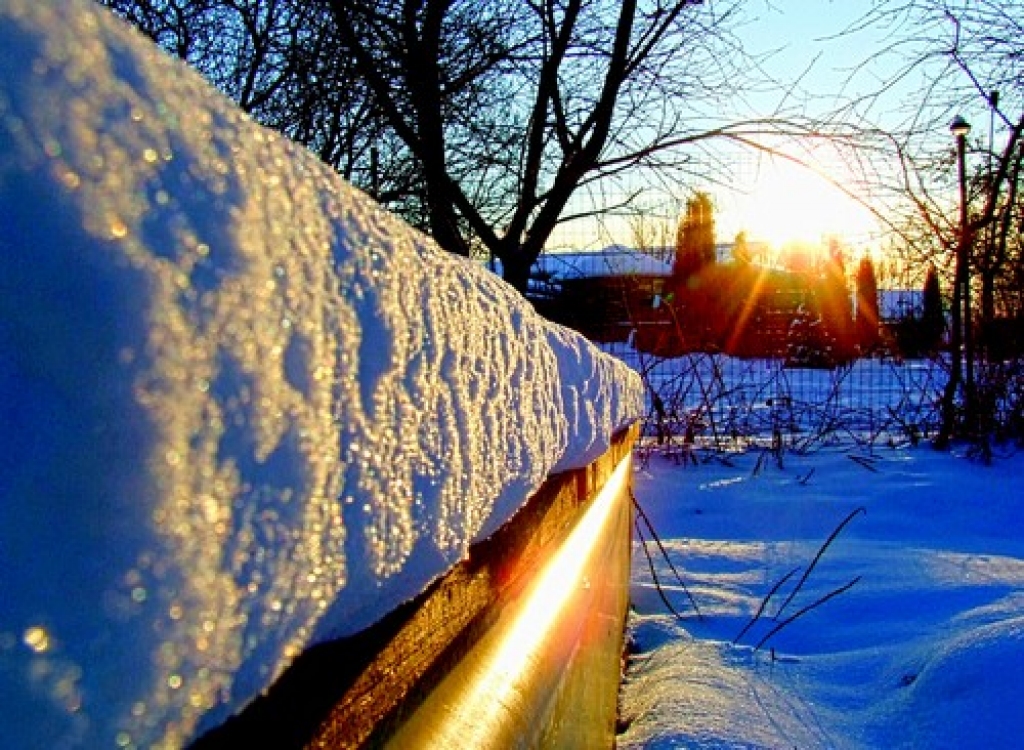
[506, 681]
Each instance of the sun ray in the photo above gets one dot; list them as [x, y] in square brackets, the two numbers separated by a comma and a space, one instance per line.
[747, 309]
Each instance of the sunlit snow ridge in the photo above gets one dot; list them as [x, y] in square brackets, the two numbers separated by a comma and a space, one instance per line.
[244, 408]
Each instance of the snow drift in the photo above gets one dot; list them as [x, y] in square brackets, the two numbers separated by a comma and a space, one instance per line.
[244, 408]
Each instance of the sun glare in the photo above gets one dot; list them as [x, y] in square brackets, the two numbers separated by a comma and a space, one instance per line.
[789, 204]
[773, 201]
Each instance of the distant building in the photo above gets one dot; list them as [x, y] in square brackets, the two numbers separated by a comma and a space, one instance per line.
[604, 294]
[614, 260]
[744, 308]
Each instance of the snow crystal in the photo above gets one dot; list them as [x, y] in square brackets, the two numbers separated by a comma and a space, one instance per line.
[244, 409]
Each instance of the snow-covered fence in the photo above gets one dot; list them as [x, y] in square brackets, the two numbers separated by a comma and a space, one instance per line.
[518, 645]
[244, 410]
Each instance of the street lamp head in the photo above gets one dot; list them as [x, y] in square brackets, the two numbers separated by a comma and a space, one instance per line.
[959, 127]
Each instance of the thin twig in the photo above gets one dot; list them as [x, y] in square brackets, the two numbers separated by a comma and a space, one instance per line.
[654, 574]
[863, 462]
[805, 610]
[764, 603]
[817, 557]
[664, 552]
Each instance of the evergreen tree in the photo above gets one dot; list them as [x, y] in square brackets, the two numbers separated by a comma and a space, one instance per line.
[741, 252]
[932, 319]
[695, 238]
[867, 317]
[834, 304]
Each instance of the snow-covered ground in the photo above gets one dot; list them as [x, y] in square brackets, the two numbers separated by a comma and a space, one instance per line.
[926, 650]
[242, 409]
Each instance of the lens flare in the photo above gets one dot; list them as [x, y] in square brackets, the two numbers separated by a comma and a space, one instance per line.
[471, 708]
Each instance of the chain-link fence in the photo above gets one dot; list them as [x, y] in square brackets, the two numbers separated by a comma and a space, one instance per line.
[714, 400]
[698, 398]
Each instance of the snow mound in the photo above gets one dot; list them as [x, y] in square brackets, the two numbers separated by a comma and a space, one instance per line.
[965, 694]
[698, 693]
[243, 408]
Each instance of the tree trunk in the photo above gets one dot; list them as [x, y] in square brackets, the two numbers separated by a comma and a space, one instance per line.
[516, 271]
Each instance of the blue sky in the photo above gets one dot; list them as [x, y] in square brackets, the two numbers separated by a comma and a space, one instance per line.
[811, 45]
[808, 49]
[808, 35]
[822, 56]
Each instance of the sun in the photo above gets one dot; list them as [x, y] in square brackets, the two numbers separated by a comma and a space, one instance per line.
[789, 205]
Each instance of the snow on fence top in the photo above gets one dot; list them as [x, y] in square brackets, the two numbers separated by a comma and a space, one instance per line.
[244, 409]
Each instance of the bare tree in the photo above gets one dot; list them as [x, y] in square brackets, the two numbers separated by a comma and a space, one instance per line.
[959, 207]
[511, 107]
[481, 121]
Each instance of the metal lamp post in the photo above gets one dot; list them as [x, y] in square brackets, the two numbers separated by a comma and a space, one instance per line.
[962, 326]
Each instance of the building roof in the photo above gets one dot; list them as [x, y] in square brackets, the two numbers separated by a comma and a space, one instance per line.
[614, 260]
